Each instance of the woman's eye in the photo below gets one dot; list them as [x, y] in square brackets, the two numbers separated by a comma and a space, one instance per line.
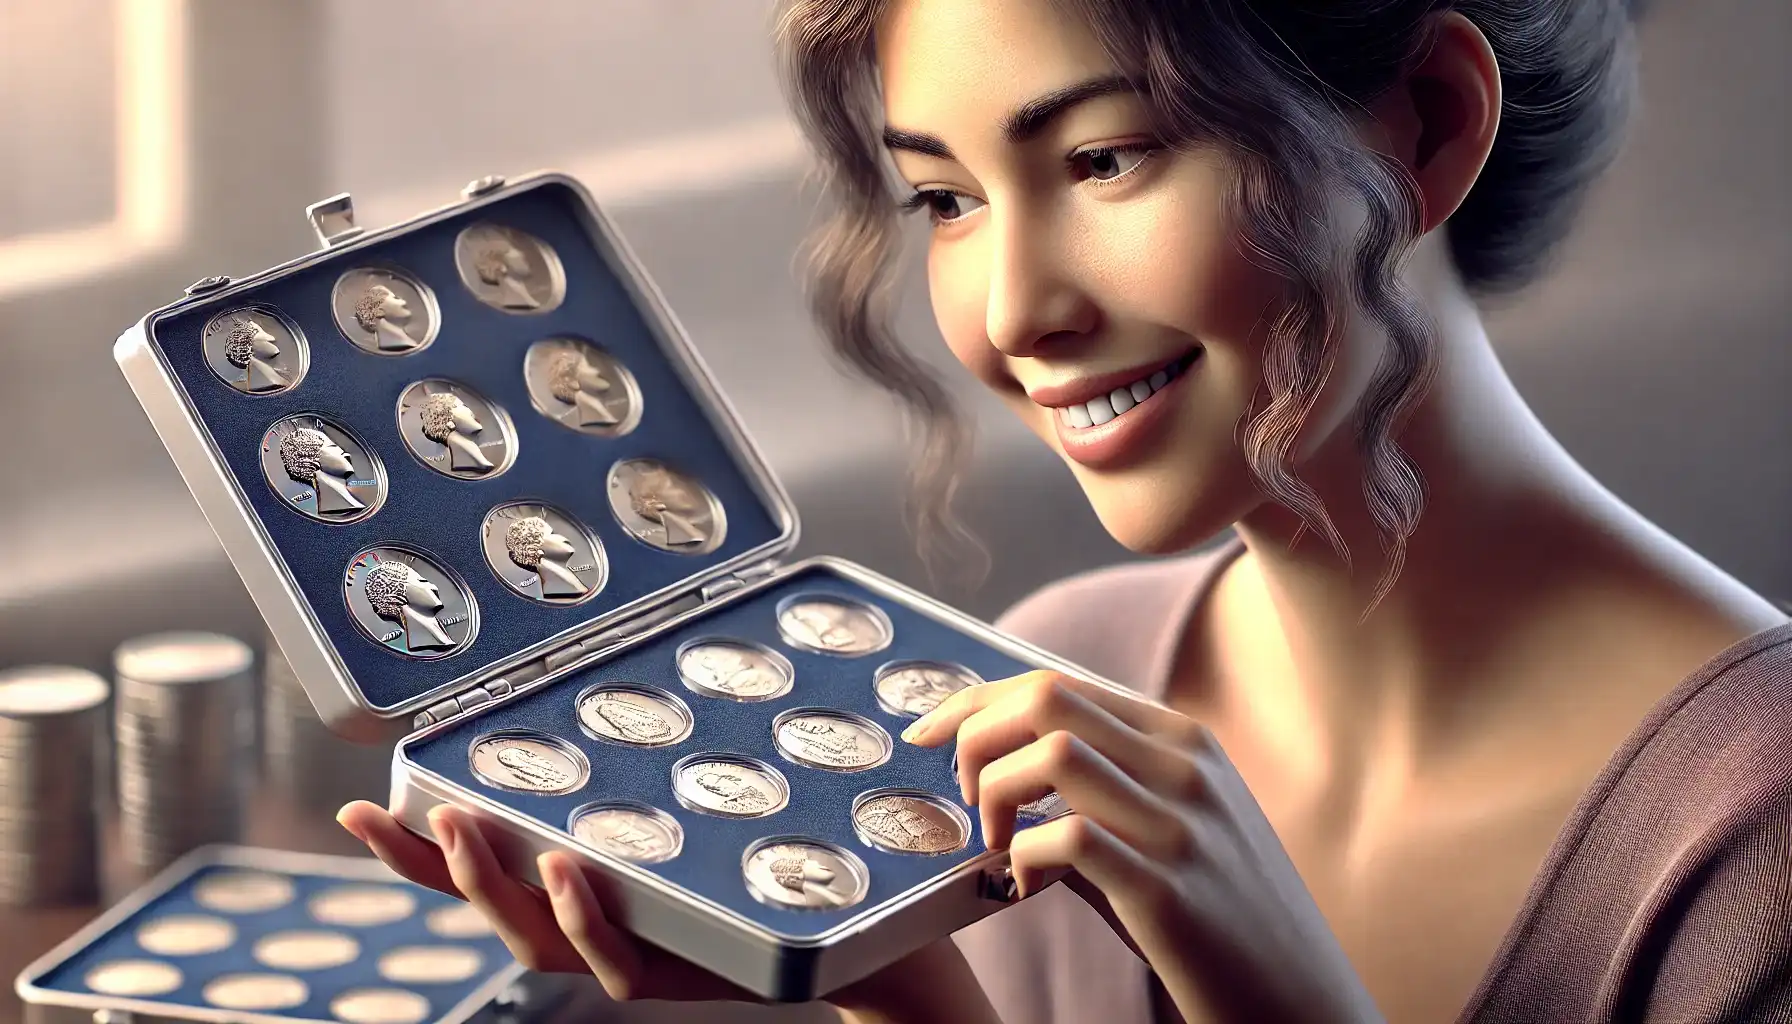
[1111, 162]
[942, 205]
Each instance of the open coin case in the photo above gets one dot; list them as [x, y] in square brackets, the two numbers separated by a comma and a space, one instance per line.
[235, 934]
[525, 522]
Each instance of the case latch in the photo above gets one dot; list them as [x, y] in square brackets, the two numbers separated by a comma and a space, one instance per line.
[206, 285]
[998, 884]
[333, 219]
[480, 186]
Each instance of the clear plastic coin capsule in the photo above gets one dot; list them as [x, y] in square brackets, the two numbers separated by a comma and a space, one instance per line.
[633, 714]
[834, 741]
[729, 786]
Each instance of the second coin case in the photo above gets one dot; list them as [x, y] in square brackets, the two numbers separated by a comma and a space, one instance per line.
[478, 482]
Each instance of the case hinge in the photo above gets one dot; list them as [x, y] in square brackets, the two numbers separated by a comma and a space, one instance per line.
[482, 186]
[462, 702]
[333, 220]
[738, 580]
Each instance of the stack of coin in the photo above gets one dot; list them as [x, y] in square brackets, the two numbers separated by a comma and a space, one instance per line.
[51, 721]
[185, 733]
[303, 760]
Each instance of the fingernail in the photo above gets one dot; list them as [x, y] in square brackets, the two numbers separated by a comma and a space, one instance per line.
[350, 829]
[552, 879]
[446, 835]
[918, 728]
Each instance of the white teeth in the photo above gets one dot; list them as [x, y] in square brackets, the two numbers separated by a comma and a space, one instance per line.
[1100, 411]
[1122, 400]
[1159, 379]
[1097, 411]
[1078, 415]
[1141, 390]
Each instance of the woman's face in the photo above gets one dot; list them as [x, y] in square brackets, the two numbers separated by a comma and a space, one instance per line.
[332, 459]
[465, 420]
[1084, 274]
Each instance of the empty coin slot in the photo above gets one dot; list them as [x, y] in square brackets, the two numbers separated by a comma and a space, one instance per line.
[133, 978]
[910, 821]
[736, 670]
[627, 830]
[306, 950]
[186, 935]
[362, 906]
[911, 689]
[243, 892]
[430, 965]
[840, 626]
[729, 786]
[458, 921]
[633, 714]
[525, 761]
[256, 992]
[380, 1006]
[798, 873]
[834, 741]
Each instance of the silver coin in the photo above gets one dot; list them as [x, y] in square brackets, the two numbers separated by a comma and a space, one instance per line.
[910, 821]
[914, 688]
[729, 786]
[832, 740]
[133, 978]
[804, 874]
[256, 350]
[455, 430]
[1049, 806]
[385, 311]
[362, 906]
[430, 965]
[509, 269]
[243, 892]
[734, 670]
[634, 714]
[380, 1006]
[833, 625]
[666, 509]
[528, 762]
[582, 387]
[629, 831]
[186, 935]
[306, 950]
[256, 992]
[408, 603]
[458, 921]
[321, 470]
[52, 690]
[543, 553]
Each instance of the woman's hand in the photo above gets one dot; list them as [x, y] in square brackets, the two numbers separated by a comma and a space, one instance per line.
[1164, 840]
[564, 928]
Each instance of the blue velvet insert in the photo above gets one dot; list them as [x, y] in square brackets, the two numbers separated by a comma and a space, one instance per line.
[820, 801]
[120, 943]
[482, 348]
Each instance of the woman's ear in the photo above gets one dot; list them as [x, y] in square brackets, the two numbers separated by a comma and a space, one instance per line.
[1439, 121]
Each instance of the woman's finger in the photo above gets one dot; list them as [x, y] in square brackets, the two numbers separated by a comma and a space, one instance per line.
[397, 847]
[522, 917]
[610, 954]
[941, 724]
[1074, 842]
[1090, 783]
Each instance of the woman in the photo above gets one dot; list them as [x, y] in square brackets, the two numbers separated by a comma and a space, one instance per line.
[1449, 731]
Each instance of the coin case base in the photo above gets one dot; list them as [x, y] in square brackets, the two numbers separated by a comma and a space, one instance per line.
[821, 801]
[482, 348]
[113, 937]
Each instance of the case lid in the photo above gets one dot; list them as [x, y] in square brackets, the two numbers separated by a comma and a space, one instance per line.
[443, 453]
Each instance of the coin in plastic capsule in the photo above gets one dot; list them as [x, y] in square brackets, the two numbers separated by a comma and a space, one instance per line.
[409, 603]
[633, 714]
[910, 821]
[522, 761]
[256, 992]
[544, 554]
[913, 688]
[736, 670]
[840, 626]
[430, 965]
[256, 350]
[582, 387]
[138, 978]
[458, 921]
[729, 786]
[665, 508]
[322, 470]
[385, 311]
[380, 1006]
[243, 892]
[793, 872]
[509, 269]
[306, 950]
[454, 430]
[362, 906]
[629, 831]
[830, 740]
[186, 935]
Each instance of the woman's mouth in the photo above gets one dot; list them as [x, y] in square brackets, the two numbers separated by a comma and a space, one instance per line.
[1122, 400]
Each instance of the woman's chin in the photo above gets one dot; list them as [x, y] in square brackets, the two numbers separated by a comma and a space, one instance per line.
[1158, 521]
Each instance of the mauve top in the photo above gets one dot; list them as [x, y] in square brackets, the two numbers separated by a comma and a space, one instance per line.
[1666, 897]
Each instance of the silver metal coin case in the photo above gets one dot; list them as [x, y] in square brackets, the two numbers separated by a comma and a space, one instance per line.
[56, 987]
[778, 954]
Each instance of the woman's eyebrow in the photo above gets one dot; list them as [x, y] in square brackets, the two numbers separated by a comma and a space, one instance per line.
[1025, 123]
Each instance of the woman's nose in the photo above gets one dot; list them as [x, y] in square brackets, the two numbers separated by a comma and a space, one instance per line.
[1034, 292]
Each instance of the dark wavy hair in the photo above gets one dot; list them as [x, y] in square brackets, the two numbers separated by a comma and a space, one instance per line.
[1275, 85]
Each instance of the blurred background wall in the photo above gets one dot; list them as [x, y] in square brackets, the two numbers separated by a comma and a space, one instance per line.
[147, 143]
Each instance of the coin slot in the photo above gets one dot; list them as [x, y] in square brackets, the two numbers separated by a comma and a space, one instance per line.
[525, 761]
[186, 935]
[910, 821]
[306, 950]
[243, 892]
[799, 873]
[838, 626]
[729, 786]
[385, 311]
[380, 1006]
[256, 992]
[665, 509]
[543, 553]
[583, 387]
[509, 270]
[322, 470]
[134, 978]
[627, 830]
[453, 430]
[458, 921]
[834, 741]
[362, 906]
[633, 714]
[430, 965]
[912, 688]
[256, 350]
[410, 603]
[736, 670]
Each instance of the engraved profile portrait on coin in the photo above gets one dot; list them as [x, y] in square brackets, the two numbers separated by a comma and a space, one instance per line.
[734, 670]
[729, 786]
[528, 762]
[321, 470]
[804, 874]
[629, 831]
[385, 311]
[455, 430]
[830, 740]
[666, 509]
[914, 688]
[509, 269]
[833, 625]
[256, 350]
[582, 387]
[406, 602]
[910, 821]
[633, 714]
[542, 553]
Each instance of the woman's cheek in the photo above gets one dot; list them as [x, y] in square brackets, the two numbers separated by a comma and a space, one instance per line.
[959, 288]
